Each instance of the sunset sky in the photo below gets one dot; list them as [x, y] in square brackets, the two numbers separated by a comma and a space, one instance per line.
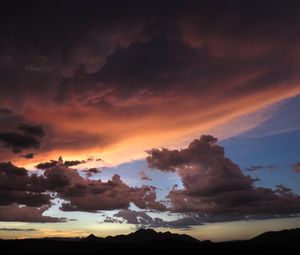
[181, 116]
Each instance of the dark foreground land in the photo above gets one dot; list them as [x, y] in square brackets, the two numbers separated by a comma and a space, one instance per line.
[150, 242]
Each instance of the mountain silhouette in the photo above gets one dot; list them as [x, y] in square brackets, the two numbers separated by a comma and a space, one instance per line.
[92, 238]
[149, 241]
[283, 236]
[143, 236]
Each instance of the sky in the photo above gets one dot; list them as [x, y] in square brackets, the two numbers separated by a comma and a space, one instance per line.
[181, 116]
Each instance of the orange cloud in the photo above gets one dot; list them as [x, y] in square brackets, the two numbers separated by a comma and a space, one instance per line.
[116, 86]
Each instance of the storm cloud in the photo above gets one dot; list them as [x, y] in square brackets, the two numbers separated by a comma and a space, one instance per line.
[88, 78]
[16, 135]
[215, 186]
[80, 68]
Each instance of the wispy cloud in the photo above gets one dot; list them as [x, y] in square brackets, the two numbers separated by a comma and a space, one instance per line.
[18, 229]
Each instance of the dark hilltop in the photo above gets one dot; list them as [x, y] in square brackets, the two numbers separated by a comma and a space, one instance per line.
[148, 240]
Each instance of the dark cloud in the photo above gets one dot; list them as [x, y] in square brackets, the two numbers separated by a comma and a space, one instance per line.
[82, 63]
[83, 194]
[59, 40]
[85, 69]
[93, 195]
[281, 189]
[296, 167]
[24, 196]
[26, 214]
[144, 177]
[138, 218]
[18, 142]
[73, 162]
[8, 120]
[16, 134]
[169, 160]
[144, 220]
[24, 193]
[53, 163]
[46, 165]
[8, 169]
[186, 221]
[183, 56]
[183, 221]
[5, 111]
[18, 229]
[258, 167]
[215, 186]
[34, 130]
[17, 186]
[112, 220]
[28, 155]
[91, 171]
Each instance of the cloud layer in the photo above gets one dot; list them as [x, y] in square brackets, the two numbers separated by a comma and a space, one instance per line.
[214, 190]
[82, 74]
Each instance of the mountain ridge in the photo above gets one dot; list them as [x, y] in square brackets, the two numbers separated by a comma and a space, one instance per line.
[148, 235]
[282, 236]
[142, 236]
[148, 240]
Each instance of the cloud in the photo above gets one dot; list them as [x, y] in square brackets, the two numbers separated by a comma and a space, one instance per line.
[18, 229]
[46, 165]
[17, 186]
[98, 72]
[19, 191]
[169, 160]
[142, 219]
[34, 130]
[112, 220]
[214, 190]
[83, 194]
[9, 169]
[53, 163]
[144, 177]
[162, 72]
[91, 171]
[5, 111]
[182, 221]
[28, 155]
[18, 142]
[134, 217]
[73, 162]
[93, 195]
[258, 167]
[19, 136]
[26, 214]
[215, 186]
[281, 189]
[296, 167]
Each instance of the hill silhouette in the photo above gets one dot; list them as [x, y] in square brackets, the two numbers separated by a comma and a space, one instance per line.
[283, 237]
[92, 238]
[149, 241]
[143, 236]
